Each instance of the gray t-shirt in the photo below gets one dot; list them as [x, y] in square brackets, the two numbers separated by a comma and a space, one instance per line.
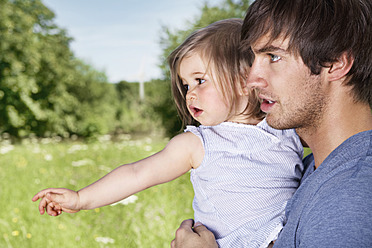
[333, 205]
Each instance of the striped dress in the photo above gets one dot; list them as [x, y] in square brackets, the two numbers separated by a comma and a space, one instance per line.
[245, 180]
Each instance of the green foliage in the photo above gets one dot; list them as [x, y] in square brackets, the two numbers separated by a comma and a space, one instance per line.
[144, 116]
[170, 39]
[163, 106]
[150, 221]
[135, 115]
[44, 89]
[19, 62]
[95, 112]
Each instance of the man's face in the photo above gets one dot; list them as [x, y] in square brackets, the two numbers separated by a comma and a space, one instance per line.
[292, 97]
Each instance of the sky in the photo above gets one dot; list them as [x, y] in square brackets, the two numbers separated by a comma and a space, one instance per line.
[121, 37]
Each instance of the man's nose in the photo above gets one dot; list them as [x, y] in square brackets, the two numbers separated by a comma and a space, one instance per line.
[256, 77]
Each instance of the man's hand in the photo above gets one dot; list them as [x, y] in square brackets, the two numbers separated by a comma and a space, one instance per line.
[189, 235]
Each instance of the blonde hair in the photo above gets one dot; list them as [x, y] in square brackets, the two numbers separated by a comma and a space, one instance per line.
[218, 45]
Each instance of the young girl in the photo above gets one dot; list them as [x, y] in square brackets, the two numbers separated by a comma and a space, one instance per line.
[243, 171]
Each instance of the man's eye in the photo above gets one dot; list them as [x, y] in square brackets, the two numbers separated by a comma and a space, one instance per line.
[274, 58]
[200, 80]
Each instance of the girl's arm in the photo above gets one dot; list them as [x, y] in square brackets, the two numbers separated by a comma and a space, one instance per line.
[183, 152]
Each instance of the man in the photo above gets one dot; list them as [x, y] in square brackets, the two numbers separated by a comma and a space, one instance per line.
[312, 66]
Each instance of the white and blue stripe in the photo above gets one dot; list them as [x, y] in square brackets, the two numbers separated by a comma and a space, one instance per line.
[245, 180]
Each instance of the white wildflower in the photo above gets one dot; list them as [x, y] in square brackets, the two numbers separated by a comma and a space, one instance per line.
[104, 240]
[36, 149]
[48, 157]
[73, 182]
[75, 148]
[57, 139]
[82, 162]
[148, 148]
[104, 138]
[6, 136]
[46, 141]
[126, 201]
[148, 140]
[104, 168]
[124, 137]
[6, 149]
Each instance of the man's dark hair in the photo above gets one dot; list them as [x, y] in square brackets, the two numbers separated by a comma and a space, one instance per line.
[319, 31]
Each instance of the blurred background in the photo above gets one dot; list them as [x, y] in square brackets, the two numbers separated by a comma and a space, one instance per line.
[84, 87]
[47, 90]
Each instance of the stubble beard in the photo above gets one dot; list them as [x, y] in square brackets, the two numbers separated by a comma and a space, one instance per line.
[303, 112]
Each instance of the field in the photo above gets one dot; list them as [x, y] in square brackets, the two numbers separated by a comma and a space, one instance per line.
[149, 219]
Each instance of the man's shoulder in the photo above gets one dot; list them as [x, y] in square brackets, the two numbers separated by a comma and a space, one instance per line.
[350, 179]
[333, 206]
[339, 212]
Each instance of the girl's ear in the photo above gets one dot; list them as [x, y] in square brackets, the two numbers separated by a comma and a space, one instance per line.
[245, 90]
[341, 67]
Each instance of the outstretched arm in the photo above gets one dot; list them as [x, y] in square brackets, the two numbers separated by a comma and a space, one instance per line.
[182, 153]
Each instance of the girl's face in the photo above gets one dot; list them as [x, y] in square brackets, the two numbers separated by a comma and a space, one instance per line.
[203, 98]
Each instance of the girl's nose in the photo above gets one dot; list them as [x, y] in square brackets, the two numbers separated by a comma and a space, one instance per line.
[191, 94]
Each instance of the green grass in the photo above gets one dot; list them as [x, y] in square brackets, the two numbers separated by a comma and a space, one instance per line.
[150, 221]
[307, 151]
[25, 169]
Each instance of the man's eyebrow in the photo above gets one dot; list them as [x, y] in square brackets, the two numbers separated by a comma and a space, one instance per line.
[270, 48]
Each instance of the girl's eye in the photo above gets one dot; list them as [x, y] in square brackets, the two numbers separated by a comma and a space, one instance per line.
[186, 87]
[274, 58]
[200, 80]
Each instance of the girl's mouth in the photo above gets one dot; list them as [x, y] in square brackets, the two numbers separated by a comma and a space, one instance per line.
[196, 111]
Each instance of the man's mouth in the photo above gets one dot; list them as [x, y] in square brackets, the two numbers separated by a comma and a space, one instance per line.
[267, 104]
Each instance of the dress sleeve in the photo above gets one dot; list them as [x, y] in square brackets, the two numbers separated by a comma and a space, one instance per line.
[195, 130]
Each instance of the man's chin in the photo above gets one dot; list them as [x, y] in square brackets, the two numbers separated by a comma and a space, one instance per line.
[276, 122]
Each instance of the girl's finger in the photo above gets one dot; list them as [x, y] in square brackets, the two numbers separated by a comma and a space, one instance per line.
[43, 204]
[50, 209]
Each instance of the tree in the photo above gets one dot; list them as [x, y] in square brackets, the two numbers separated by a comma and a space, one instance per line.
[44, 89]
[97, 101]
[19, 62]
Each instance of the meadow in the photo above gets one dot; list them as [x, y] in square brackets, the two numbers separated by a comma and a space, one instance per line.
[147, 219]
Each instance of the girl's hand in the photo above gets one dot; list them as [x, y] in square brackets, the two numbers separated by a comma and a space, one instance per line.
[55, 201]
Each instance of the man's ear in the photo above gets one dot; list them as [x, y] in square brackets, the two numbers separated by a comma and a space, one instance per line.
[341, 67]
